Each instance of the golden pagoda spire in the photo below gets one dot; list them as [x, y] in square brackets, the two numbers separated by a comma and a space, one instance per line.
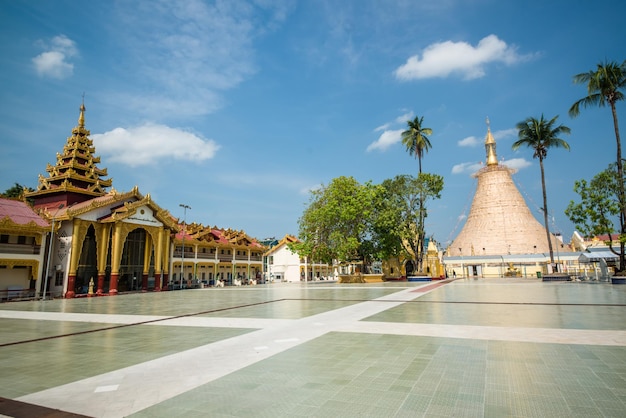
[81, 117]
[490, 147]
[75, 175]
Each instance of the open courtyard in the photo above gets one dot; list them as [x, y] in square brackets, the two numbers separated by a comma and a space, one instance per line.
[464, 348]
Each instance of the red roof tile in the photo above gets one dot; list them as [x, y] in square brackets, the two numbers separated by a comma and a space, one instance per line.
[20, 213]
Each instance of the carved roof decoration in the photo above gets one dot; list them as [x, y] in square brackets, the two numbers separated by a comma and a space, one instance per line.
[75, 170]
[123, 205]
[286, 240]
[200, 234]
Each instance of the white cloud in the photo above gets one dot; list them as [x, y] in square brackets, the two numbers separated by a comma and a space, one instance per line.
[473, 141]
[405, 118]
[307, 190]
[53, 62]
[468, 168]
[385, 140]
[517, 163]
[445, 58]
[470, 141]
[504, 134]
[382, 127]
[151, 143]
[185, 54]
[471, 168]
[390, 136]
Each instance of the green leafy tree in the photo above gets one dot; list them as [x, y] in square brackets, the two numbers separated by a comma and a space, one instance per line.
[396, 223]
[599, 207]
[605, 86]
[16, 191]
[335, 225]
[540, 135]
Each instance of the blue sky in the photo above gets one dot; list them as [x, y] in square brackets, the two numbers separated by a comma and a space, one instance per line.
[239, 108]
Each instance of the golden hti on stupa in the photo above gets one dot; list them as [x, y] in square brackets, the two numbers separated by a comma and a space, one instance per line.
[499, 222]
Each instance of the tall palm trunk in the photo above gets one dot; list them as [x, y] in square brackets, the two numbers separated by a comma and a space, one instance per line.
[620, 182]
[420, 230]
[420, 236]
[545, 211]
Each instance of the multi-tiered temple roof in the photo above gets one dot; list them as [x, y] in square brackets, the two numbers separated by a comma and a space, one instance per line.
[75, 177]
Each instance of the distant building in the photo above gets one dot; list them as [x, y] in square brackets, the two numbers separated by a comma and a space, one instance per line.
[215, 254]
[22, 249]
[283, 265]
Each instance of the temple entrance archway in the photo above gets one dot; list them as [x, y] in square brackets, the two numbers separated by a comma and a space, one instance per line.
[132, 261]
[409, 267]
[87, 264]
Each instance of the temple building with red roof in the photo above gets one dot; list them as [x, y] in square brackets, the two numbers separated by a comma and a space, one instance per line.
[22, 234]
[101, 241]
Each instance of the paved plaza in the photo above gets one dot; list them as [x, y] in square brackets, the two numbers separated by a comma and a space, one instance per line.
[465, 348]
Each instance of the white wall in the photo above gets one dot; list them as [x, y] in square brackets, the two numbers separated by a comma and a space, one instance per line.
[286, 264]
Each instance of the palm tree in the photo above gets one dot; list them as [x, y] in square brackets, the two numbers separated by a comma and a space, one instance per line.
[415, 139]
[540, 135]
[605, 86]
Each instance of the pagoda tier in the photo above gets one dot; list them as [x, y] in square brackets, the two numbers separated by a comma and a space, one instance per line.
[75, 177]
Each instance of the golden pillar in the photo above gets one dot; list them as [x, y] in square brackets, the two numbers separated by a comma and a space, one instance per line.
[147, 253]
[166, 257]
[158, 262]
[103, 237]
[116, 257]
[79, 231]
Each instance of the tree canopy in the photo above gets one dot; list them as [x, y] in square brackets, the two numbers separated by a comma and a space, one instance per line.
[349, 221]
[605, 86]
[335, 225]
[599, 207]
[16, 191]
[396, 222]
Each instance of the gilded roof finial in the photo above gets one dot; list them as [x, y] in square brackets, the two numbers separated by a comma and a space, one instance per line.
[490, 147]
[81, 118]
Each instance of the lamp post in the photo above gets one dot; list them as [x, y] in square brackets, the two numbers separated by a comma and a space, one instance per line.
[45, 282]
[182, 264]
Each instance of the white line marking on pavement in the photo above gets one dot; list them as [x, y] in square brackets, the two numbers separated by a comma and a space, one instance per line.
[108, 388]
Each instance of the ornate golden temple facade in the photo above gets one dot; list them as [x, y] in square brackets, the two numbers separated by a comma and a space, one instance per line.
[101, 241]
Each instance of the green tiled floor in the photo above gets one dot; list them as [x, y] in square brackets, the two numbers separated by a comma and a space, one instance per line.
[39, 365]
[342, 374]
[569, 305]
[268, 302]
[377, 375]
